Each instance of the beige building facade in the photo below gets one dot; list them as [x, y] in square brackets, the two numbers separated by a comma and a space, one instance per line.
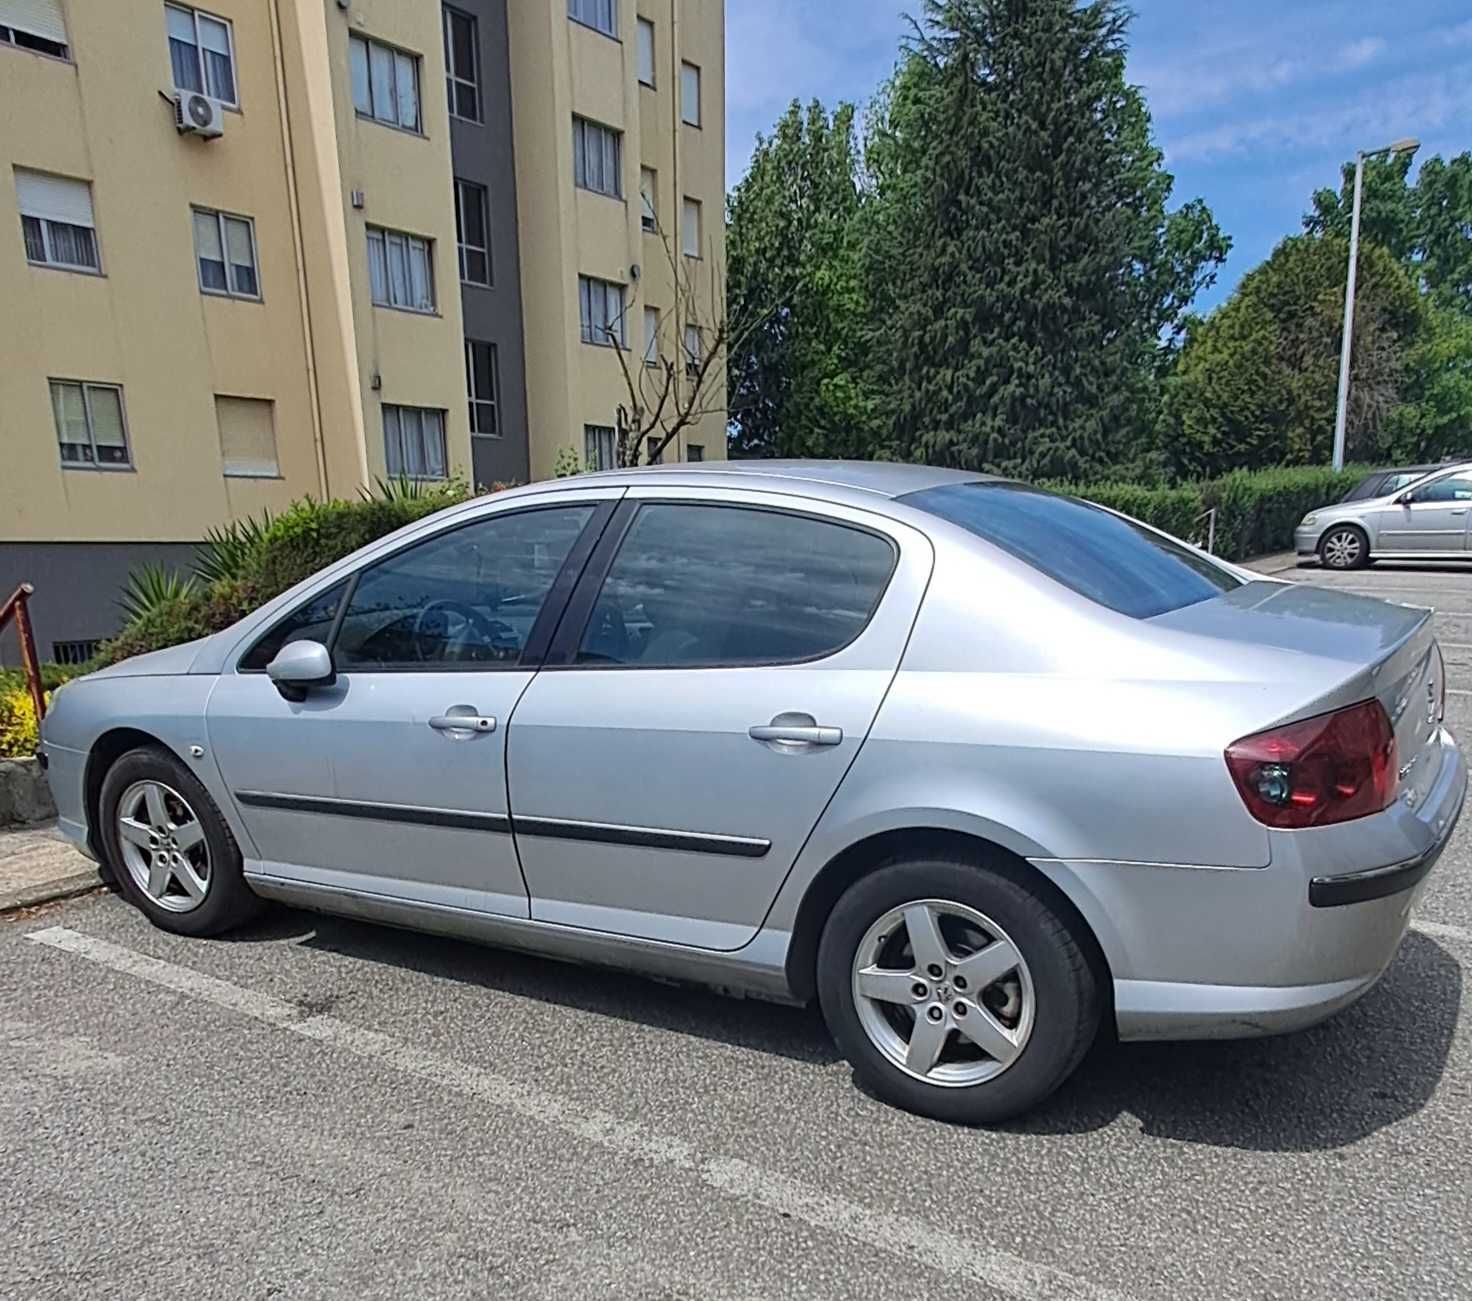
[276, 248]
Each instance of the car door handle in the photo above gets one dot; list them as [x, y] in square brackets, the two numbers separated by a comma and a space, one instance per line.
[1461, 511]
[463, 723]
[796, 734]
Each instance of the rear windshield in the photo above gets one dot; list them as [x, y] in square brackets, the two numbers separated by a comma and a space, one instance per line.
[1110, 560]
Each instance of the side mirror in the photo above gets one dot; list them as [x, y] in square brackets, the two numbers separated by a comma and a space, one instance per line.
[1406, 498]
[300, 665]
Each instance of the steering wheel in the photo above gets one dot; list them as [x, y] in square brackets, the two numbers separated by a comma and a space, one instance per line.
[429, 645]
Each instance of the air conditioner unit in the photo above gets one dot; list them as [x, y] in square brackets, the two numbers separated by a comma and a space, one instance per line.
[198, 114]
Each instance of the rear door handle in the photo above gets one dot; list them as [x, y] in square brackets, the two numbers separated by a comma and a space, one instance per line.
[796, 734]
[463, 723]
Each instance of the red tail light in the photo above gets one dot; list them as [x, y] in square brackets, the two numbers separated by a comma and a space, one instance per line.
[1329, 768]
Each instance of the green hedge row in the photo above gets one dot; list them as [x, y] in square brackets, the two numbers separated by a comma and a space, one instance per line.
[1256, 510]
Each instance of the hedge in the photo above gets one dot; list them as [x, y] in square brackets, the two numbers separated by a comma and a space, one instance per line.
[1256, 510]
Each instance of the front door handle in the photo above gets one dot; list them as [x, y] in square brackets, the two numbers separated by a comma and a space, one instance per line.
[1461, 511]
[795, 729]
[463, 723]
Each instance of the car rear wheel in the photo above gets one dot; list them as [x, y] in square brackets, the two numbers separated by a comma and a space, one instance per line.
[1344, 547]
[955, 990]
[170, 848]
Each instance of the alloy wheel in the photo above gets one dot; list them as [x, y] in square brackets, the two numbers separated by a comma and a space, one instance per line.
[163, 846]
[943, 992]
[1342, 549]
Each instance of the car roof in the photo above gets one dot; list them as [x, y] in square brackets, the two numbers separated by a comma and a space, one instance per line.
[809, 478]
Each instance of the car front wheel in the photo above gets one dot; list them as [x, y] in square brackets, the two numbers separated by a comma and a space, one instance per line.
[1344, 547]
[955, 991]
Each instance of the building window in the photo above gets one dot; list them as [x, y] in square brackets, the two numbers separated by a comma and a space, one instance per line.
[225, 251]
[692, 351]
[690, 227]
[601, 311]
[399, 271]
[646, 52]
[385, 83]
[597, 158]
[89, 424]
[694, 452]
[689, 94]
[56, 220]
[598, 447]
[648, 199]
[29, 25]
[601, 15]
[481, 382]
[414, 442]
[462, 65]
[247, 437]
[75, 652]
[655, 454]
[651, 336]
[201, 52]
[473, 232]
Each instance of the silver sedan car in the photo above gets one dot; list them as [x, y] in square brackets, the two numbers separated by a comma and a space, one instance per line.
[1427, 519]
[978, 767]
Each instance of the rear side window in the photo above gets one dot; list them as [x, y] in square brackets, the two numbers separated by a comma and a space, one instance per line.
[309, 622]
[1110, 560]
[712, 586]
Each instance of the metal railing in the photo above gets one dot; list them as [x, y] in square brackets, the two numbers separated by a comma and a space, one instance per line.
[1210, 517]
[15, 608]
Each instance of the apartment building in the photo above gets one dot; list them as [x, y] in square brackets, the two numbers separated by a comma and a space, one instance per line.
[273, 248]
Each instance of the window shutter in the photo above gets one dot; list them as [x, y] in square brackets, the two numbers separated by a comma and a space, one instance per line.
[247, 436]
[56, 198]
[38, 17]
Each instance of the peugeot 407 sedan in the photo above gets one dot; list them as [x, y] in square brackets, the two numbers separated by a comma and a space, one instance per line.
[977, 766]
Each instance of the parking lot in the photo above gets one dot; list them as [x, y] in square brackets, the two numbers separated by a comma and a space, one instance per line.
[320, 1108]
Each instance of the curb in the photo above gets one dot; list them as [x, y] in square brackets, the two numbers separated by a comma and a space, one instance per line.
[59, 887]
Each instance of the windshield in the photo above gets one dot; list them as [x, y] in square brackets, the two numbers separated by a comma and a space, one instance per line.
[1100, 555]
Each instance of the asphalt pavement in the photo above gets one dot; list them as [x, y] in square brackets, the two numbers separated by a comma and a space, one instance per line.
[320, 1108]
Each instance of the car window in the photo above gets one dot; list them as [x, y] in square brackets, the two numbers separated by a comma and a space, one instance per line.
[1455, 487]
[309, 622]
[705, 586]
[1395, 482]
[468, 596]
[1100, 555]
[1372, 485]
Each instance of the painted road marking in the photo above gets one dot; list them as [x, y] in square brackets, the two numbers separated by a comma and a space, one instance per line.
[911, 1239]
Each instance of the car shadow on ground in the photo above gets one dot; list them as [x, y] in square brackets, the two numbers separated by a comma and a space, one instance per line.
[1371, 1066]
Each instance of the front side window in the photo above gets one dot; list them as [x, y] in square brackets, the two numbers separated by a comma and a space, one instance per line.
[201, 52]
[462, 70]
[601, 15]
[414, 442]
[596, 158]
[689, 94]
[601, 311]
[466, 598]
[225, 250]
[385, 82]
[1108, 559]
[481, 382]
[1455, 487]
[309, 622]
[598, 447]
[400, 270]
[473, 232]
[56, 220]
[89, 424]
[710, 586]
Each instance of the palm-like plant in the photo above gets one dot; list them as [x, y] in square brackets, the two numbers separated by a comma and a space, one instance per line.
[226, 548]
[151, 587]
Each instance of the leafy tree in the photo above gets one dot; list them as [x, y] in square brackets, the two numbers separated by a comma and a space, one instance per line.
[1026, 281]
[799, 387]
[1257, 381]
[1425, 224]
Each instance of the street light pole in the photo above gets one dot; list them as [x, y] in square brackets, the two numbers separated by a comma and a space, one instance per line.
[1408, 144]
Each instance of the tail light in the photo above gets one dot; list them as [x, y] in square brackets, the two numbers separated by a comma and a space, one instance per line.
[1329, 768]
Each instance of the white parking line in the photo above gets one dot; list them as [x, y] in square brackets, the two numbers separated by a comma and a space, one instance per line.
[898, 1235]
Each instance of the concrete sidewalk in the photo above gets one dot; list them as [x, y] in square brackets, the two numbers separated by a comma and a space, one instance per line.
[1280, 563]
[37, 865]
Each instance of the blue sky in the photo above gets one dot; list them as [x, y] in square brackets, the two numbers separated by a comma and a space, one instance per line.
[1255, 102]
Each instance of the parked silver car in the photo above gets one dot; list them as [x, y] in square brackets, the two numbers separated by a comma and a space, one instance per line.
[977, 766]
[1427, 519]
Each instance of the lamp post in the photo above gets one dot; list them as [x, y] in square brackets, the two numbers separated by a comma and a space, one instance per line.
[1407, 144]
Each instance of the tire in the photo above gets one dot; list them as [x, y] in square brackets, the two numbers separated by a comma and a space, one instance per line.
[989, 906]
[1344, 546]
[211, 896]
